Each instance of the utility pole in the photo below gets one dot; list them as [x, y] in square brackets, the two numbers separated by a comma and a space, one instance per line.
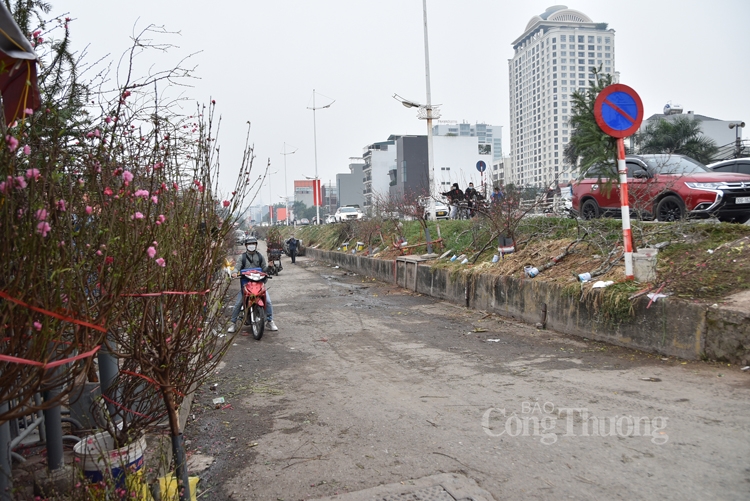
[316, 183]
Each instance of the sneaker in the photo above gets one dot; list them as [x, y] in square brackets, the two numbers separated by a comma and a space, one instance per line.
[231, 328]
[271, 326]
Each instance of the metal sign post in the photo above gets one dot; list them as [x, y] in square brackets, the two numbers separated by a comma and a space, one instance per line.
[618, 111]
[481, 167]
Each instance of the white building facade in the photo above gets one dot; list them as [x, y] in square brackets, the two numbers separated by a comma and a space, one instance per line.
[379, 158]
[456, 160]
[485, 133]
[553, 58]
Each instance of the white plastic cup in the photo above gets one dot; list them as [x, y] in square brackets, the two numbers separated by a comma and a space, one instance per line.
[584, 277]
[466, 260]
[530, 271]
[495, 258]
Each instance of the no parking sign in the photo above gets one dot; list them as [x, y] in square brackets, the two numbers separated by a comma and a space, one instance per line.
[618, 111]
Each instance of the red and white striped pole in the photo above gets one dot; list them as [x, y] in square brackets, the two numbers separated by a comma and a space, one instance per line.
[627, 235]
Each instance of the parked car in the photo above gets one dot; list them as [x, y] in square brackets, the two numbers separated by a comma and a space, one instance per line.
[348, 213]
[330, 219]
[441, 209]
[738, 165]
[304, 221]
[666, 188]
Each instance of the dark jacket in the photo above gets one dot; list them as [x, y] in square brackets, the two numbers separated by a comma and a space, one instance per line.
[455, 195]
[470, 193]
[293, 244]
[254, 260]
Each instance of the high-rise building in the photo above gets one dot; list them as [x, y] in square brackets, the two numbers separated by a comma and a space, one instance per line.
[553, 58]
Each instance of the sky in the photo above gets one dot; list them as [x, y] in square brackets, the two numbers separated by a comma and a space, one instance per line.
[261, 60]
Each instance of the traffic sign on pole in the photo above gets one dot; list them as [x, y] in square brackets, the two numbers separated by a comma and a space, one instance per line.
[481, 166]
[618, 111]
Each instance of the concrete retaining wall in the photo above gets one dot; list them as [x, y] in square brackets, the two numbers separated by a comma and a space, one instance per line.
[670, 327]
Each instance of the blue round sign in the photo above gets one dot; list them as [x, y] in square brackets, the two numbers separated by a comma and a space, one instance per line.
[481, 166]
[618, 110]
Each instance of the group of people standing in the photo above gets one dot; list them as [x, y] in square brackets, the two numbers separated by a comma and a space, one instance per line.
[472, 198]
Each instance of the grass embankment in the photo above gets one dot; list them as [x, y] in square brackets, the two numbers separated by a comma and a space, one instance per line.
[705, 261]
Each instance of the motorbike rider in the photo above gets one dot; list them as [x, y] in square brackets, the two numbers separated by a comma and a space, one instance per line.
[455, 195]
[251, 259]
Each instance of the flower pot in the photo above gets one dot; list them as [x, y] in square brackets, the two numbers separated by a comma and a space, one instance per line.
[97, 457]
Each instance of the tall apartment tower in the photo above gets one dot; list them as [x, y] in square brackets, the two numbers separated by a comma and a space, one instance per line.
[553, 58]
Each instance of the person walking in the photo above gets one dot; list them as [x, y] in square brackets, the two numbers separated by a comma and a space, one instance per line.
[471, 198]
[292, 245]
[251, 258]
[497, 195]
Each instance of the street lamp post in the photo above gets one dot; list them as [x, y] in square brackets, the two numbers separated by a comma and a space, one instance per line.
[286, 182]
[315, 140]
[426, 112]
[270, 198]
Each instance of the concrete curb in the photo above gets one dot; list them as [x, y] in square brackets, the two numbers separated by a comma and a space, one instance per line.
[670, 326]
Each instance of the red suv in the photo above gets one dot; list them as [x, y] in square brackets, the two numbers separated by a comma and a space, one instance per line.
[665, 188]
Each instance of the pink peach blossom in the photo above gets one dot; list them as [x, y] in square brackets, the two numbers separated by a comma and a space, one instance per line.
[155, 199]
[12, 142]
[28, 111]
[33, 173]
[151, 252]
[41, 214]
[108, 191]
[141, 194]
[43, 228]
[27, 150]
[37, 325]
[137, 215]
[127, 176]
[61, 206]
[89, 210]
[225, 203]
[20, 183]
[161, 262]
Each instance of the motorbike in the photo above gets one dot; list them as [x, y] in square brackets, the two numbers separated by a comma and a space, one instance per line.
[274, 260]
[253, 284]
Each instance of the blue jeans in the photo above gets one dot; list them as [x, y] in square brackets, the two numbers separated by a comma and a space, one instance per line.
[238, 307]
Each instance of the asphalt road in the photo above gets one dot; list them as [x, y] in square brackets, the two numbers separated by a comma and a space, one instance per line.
[367, 384]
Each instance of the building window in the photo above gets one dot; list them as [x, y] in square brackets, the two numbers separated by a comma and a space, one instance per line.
[562, 38]
[580, 38]
[403, 171]
[598, 39]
